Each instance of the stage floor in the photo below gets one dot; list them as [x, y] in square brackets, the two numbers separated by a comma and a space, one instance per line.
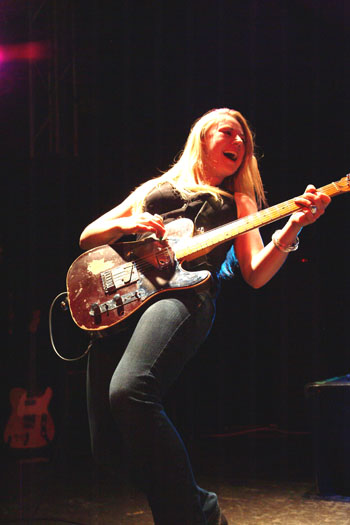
[261, 479]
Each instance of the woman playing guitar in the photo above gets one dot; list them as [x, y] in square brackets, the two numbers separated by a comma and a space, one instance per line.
[215, 180]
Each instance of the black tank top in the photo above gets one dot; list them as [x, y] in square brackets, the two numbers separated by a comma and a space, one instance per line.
[206, 213]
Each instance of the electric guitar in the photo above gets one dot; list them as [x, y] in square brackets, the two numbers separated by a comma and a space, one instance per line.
[106, 284]
[30, 424]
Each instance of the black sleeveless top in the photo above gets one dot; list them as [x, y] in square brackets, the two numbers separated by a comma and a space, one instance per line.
[206, 213]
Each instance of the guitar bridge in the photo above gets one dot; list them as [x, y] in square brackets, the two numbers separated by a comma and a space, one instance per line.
[118, 277]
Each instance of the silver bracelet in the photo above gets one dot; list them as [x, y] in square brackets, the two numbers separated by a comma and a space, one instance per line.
[285, 248]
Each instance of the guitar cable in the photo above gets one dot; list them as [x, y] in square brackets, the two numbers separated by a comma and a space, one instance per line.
[64, 306]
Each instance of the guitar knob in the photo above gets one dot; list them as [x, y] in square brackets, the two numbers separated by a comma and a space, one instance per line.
[95, 311]
[119, 303]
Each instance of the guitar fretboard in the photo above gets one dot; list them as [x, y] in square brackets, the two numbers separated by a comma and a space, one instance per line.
[212, 238]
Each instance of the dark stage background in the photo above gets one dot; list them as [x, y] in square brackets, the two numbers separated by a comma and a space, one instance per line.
[110, 108]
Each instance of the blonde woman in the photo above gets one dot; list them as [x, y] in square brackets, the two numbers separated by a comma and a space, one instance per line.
[215, 180]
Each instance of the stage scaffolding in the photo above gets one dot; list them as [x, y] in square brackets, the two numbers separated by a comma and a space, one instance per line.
[52, 83]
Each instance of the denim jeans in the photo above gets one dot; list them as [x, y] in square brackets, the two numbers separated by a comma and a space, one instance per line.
[128, 377]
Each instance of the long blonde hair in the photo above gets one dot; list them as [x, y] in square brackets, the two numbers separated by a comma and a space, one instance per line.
[185, 173]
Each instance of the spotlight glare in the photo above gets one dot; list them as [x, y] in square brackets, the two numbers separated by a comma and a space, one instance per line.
[21, 52]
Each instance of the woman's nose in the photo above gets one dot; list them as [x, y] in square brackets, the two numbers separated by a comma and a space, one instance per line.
[237, 139]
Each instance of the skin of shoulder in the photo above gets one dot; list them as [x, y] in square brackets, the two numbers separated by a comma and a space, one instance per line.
[245, 204]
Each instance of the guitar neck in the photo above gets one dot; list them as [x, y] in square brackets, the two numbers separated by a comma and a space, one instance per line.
[201, 244]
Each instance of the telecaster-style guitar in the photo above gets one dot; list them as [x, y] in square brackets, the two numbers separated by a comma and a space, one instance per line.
[107, 284]
[30, 425]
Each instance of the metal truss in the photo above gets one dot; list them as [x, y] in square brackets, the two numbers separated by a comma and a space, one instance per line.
[52, 85]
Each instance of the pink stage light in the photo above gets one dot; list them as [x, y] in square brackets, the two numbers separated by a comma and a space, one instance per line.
[22, 52]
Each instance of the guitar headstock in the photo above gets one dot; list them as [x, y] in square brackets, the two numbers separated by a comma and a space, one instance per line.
[343, 184]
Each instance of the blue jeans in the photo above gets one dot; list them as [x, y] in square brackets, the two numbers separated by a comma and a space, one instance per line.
[128, 376]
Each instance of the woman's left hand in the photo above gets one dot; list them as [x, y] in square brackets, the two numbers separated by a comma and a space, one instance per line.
[313, 205]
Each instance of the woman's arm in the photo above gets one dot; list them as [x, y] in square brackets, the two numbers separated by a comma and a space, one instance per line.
[118, 222]
[259, 263]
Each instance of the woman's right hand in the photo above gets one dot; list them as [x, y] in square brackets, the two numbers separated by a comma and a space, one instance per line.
[109, 228]
[142, 223]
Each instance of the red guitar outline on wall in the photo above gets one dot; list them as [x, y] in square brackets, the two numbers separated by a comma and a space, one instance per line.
[30, 425]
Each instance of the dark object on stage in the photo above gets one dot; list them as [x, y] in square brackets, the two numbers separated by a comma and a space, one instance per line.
[329, 403]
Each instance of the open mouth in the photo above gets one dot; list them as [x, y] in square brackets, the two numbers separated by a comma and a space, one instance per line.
[230, 155]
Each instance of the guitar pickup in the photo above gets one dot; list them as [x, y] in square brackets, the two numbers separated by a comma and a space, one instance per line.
[164, 258]
[118, 277]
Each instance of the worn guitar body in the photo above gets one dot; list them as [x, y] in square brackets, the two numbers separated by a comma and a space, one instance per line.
[107, 284]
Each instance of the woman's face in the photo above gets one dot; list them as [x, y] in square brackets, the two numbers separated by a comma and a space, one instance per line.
[224, 148]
